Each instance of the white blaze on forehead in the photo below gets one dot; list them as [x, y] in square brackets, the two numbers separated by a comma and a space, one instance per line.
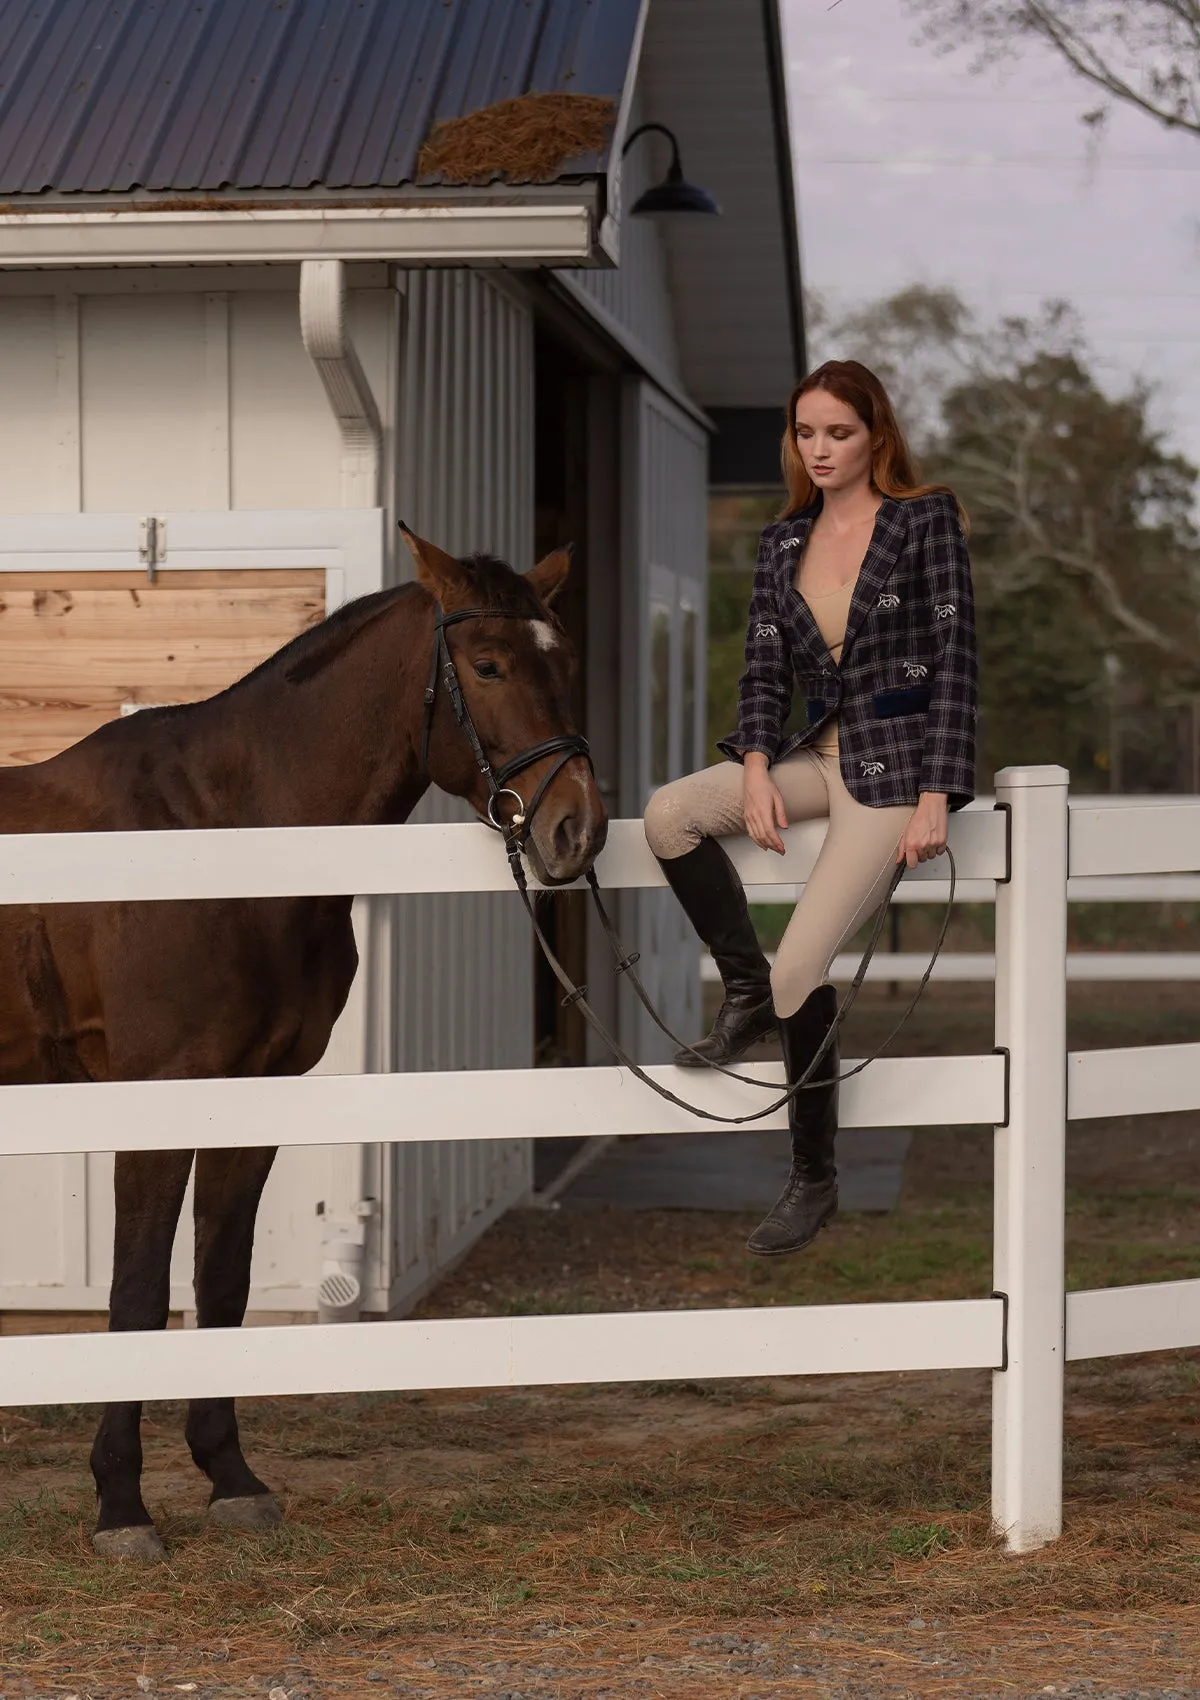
[544, 634]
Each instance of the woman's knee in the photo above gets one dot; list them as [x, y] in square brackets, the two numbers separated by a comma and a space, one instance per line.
[670, 829]
[791, 982]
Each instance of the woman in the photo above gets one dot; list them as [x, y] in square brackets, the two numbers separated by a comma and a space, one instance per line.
[862, 600]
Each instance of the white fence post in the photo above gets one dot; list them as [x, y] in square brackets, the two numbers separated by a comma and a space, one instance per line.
[1031, 978]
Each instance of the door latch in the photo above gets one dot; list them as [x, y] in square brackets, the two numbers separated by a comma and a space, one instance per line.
[152, 544]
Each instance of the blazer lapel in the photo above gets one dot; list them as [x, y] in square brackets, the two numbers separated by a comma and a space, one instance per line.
[883, 551]
[790, 598]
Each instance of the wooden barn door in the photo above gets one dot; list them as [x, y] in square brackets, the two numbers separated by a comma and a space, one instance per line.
[101, 614]
[81, 648]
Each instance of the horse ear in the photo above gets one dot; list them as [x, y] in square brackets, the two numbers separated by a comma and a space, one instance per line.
[550, 574]
[436, 570]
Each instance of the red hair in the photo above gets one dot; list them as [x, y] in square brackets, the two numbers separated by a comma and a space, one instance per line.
[893, 471]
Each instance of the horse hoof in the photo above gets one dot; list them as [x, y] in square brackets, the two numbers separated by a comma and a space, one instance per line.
[138, 1544]
[252, 1512]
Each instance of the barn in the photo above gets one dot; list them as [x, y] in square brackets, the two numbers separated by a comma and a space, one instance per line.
[276, 273]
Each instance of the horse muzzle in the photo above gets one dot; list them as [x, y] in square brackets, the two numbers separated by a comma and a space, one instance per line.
[562, 844]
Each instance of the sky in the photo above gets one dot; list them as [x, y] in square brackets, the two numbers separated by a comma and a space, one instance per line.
[912, 168]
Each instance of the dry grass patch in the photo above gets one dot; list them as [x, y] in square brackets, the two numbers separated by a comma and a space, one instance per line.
[797, 1503]
[524, 140]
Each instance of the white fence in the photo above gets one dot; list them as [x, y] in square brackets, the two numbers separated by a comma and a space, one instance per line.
[977, 965]
[1108, 965]
[1026, 1089]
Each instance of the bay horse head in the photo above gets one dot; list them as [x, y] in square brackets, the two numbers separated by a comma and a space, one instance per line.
[513, 664]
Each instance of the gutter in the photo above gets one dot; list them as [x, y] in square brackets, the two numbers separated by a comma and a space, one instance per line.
[550, 234]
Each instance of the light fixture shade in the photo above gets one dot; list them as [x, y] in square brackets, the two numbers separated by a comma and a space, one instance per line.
[674, 196]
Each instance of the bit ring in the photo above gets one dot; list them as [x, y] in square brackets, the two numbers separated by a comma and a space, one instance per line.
[518, 819]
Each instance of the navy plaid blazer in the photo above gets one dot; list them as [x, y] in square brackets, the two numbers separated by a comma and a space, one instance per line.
[906, 689]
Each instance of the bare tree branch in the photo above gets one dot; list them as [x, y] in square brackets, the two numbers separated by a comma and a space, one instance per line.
[1143, 53]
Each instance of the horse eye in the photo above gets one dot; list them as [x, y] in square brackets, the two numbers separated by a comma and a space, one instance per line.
[487, 670]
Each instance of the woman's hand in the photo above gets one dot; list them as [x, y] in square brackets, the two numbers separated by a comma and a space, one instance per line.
[762, 804]
[925, 835]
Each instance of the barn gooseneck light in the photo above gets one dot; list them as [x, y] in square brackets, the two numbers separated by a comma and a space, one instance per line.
[673, 194]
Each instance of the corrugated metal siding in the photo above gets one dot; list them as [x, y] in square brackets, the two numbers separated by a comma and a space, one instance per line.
[275, 94]
[463, 975]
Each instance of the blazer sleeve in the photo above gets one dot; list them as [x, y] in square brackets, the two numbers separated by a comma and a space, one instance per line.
[765, 688]
[948, 758]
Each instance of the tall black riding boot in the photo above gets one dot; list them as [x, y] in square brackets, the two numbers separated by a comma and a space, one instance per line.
[714, 901]
[809, 1199]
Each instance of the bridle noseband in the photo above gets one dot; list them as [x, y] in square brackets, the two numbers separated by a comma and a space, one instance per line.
[567, 745]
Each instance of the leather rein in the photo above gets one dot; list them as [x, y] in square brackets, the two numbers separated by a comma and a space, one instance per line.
[515, 831]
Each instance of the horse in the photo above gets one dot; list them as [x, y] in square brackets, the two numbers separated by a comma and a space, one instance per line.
[335, 728]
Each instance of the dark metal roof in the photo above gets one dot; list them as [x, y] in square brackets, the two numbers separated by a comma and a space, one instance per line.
[193, 96]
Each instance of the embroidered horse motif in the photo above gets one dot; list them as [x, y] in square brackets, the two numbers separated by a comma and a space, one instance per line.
[888, 599]
[766, 631]
[915, 670]
[871, 768]
[944, 611]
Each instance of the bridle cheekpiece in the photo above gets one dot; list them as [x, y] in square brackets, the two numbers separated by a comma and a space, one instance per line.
[566, 745]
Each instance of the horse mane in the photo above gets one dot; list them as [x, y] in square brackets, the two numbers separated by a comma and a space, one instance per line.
[495, 586]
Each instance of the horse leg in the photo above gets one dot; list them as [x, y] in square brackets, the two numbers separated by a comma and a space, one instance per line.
[149, 1194]
[228, 1187]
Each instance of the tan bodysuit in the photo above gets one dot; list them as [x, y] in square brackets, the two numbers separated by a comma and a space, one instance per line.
[830, 613]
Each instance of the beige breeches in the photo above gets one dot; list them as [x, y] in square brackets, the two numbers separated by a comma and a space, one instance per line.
[851, 873]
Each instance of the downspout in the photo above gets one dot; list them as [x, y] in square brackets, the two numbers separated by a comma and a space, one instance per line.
[327, 343]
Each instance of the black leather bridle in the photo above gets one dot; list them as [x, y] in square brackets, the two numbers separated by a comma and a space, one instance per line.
[567, 745]
[515, 832]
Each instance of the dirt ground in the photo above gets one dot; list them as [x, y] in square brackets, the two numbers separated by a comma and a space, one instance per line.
[799, 1536]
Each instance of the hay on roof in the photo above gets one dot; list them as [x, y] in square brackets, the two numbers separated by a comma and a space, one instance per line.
[525, 140]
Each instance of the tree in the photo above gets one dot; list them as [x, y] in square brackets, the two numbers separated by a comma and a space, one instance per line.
[1086, 556]
[1062, 478]
[918, 341]
[1144, 53]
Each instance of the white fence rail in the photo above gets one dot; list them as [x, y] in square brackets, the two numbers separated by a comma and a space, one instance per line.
[331, 1109]
[977, 965]
[909, 965]
[1026, 1089]
[507, 1352]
